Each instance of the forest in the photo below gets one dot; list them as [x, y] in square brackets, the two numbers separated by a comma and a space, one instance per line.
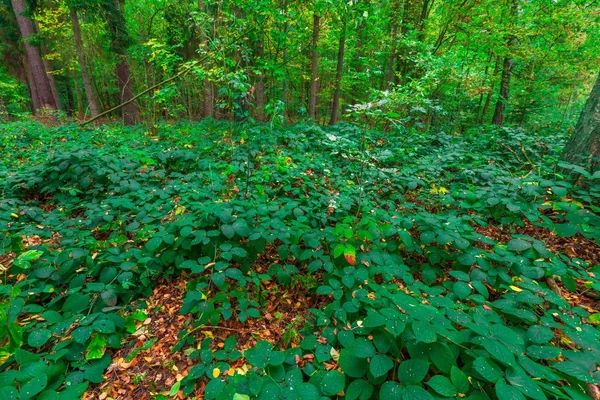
[274, 199]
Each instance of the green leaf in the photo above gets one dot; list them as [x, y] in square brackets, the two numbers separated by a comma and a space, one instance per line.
[412, 371]
[228, 231]
[359, 389]
[415, 393]
[391, 391]
[258, 355]
[352, 366]
[543, 352]
[38, 337]
[442, 357]
[30, 255]
[380, 365]
[175, 389]
[498, 351]
[575, 370]
[459, 380]
[525, 384]
[462, 290]
[241, 227]
[565, 230]
[506, 392]
[96, 348]
[487, 370]
[423, 332]
[153, 244]
[362, 348]
[442, 385]
[333, 382]
[539, 334]
[34, 386]
[518, 245]
[214, 388]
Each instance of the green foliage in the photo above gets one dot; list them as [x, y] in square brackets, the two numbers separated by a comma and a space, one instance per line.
[417, 303]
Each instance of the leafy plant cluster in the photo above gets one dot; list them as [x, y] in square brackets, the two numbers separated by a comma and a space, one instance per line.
[420, 303]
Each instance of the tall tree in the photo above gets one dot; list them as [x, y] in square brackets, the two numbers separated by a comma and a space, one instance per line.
[507, 68]
[335, 104]
[87, 83]
[120, 40]
[314, 67]
[39, 82]
[584, 142]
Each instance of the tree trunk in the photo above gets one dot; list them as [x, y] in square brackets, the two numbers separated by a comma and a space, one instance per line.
[87, 84]
[584, 142]
[48, 69]
[499, 112]
[78, 96]
[312, 102]
[33, 94]
[36, 71]
[390, 66]
[260, 82]
[285, 57]
[131, 112]
[119, 42]
[488, 98]
[335, 104]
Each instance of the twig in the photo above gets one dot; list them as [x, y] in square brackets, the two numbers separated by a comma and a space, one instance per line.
[134, 98]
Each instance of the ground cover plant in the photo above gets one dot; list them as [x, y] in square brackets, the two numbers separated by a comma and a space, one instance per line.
[414, 266]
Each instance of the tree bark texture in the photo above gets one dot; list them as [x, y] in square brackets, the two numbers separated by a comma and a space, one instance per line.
[312, 101]
[500, 111]
[335, 104]
[87, 83]
[584, 142]
[39, 83]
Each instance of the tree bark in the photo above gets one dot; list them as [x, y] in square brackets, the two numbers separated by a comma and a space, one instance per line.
[499, 112]
[390, 66]
[87, 84]
[312, 102]
[335, 104]
[78, 96]
[40, 85]
[584, 142]
[33, 94]
[260, 81]
[131, 112]
[488, 98]
[119, 42]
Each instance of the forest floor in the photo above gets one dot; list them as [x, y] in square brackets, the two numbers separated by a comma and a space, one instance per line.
[222, 261]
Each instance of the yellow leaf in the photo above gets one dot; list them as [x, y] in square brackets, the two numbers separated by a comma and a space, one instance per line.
[216, 373]
[516, 289]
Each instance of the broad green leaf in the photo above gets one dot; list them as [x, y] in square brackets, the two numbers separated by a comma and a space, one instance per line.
[506, 392]
[96, 348]
[442, 385]
[362, 348]
[380, 365]
[352, 366]
[391, 391]
[518, 245]
[38, 337]
[412, 371]
[359, 389]
[34, 386]
[333, 382]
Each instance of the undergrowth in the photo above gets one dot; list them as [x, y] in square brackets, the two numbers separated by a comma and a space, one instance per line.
[421, 303]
